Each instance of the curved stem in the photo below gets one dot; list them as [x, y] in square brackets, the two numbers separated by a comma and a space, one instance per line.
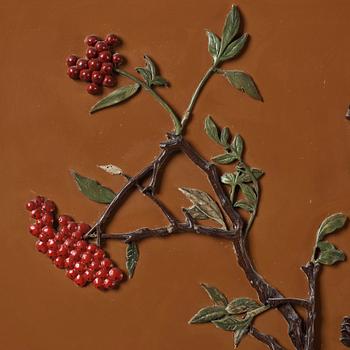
[270, 341]
[158, 98]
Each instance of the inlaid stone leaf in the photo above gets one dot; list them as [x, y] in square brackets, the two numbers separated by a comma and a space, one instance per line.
[225, 158]
[150, 65]
[331, 224]
[241, 305]
[228, 178]
[146, 74]
[225, 134]
[243, 204]
[196, 213]
[204, 203]
[149, 73]
[111, 169]
[93, 190]
[235, 48]
[231, 27]
[211, 129]
[215, 295]
[132, 257]
[329, 254]
[117, 96]
[228, 323]
[248, 192]
[243, 82]
[241, 331]
[237, 145]
[208, 314]
[257, 173]
[213, 45]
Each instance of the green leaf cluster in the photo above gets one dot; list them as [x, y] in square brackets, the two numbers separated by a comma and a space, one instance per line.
[150, 75]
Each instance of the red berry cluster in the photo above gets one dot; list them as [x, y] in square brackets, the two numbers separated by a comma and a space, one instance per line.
[97, 67]
[62, 241]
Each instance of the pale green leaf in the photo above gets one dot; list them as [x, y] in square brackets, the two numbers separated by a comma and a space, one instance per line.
[329, 254]
[215, 295]
[208, 314]
[242, 305]
[331, 224]
[235, 48]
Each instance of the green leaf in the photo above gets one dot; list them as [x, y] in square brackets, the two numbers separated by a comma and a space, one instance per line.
[235, 48]
[146, 74]
[150, 66]
[132, 257]
[159, 81]
[208, 314]
[329, 254]
[228, 323]
[330, 224]
[204, 203]
[241, 305]
[241, 331]
[93, 190]
[149, 73]
[111, 169]
[119, 95]
[225, 134]
[225, 158]
[237, 145]
[196, 214]
[257, 173]
[215, 295]
[243, 204]
[243, 82]
[213, 45]
[228, 178]
[211, 129]
[231, 27]
[248, 192]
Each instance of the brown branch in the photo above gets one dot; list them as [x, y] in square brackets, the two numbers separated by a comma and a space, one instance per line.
[269, 340]
[275, 302]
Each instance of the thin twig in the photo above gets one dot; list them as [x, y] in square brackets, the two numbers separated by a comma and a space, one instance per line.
[269, 340]
[275, 302]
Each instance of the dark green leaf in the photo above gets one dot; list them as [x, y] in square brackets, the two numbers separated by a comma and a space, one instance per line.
[329, 254]
[215, 295]
[241, 305]
[228, 178]
[225, 134]
[132, 256]
[243, 82]
[93, 190]
[150, 66]
[234, 49]
[248, 192]
[225, 158]
[159, 81]
[330, 224]
[237, 145]
[146, 74]
[196, 214]
[228, 323]
[213, 45]
[241, 331]
[231, 27]
[119, 95]
[258, 173]
[245, 205]
[211, 129]
[208, 314]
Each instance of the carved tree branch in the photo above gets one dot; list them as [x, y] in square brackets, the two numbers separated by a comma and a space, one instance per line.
[270, 341]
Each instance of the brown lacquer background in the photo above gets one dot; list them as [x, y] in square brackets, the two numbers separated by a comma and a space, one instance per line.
[300, 58]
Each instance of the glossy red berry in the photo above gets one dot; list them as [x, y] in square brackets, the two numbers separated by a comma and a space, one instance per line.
[91, 52]
[69, 243]
[108, 283]
[105, 56]
[50, 231]
[71, 273]
[86, 258]
[106, 263]
[84, 228]
[52, 244]
[49, 206]
[39, 200]
[41, 246]
[63, 220]
[101, 46]
[80, 280]
[82, 63]
[93, 89]
[97, 78]
[91, 248]
[74, 254]
[36, 213]
[79, 267]
[73, 72]
[52, 254]
[115, 274]
[35, 230]
[98, 282]
[72, 60]
[72, 226]
[109, 81]
[91, 40]
[43, 237]
[103, 273]
[64, 230]
[63, 251]
[77, 235]
[81, 245]
[47, 219]
[85, 75]
[31, 205]
[69, 262]
[118, 59]
[94, 64]
[89, 275]
[60, 237]
[59, 262]
[107, 68]
[112, 40]
[99, 254]
[94, 266]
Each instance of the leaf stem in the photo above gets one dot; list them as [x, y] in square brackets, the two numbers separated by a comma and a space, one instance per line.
[158, 98]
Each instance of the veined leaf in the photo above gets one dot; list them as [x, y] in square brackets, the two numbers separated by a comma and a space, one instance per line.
[228, 323]
[119, 95]
[330, 224]
[204, 203]
[93, 190]
[241, 305]
[213, 45]
[228, 178]
[132, 257]
[243, 82]
[237, 145]
[231, 27]
[225, 134]
[211, 129]
[150, 65]
[208, 314]
[111, 169]
[215, 295]
[234, 49]
[248, 192]
[225, 158]
[329, 254]
[243, 204]
[196, 214]
[241, 331]
[145, 73]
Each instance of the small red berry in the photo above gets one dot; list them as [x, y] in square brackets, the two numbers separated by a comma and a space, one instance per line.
[108, 283]
[91, 52]
[118, 59]
[41, 246]
[109, 81]
[84, 228]
[43, 237]
[89, 275]
[107, 68]
[80, 267]
[36, 213]
[94, 64]
[59, 262]
[99, 254]
[81, 245]
[74, 254]
[93, 89]
[52, 254]
[105, 56]
[77, 235]
[112, 40]
[69, 243]
[52, 244]
[71, 274]
[31, 205]
[60, 237]
[72, 226]
[64, 230]
[91, 40]
[86, 258]
[103, 273]
[106, 263]
[91, 248]
[39, 200]
[85, 75]
[50, 231]
[115, 274]
[40, 223]
[82, 63]
[101, 46]
[49, 206]
[47, 219]
[97, 78]
[80, 280]
[63, 220]
[35, 230]
[71, 60]
[98, 282]
[69, 262]
[94, 266]
[63, 251]
[73, 72]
